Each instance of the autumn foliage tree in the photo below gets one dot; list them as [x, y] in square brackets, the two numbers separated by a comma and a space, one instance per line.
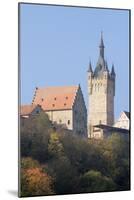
[34, 181]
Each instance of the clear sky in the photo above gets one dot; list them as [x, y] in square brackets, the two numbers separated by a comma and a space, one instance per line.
[56, 44]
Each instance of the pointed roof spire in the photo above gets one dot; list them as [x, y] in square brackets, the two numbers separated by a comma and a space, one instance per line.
[112, 70]
[90, 67]
[100, 66]
[101, 42]
[101, 46]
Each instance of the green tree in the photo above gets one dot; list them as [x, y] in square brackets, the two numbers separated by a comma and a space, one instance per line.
[115, 151]
[55, 147]
[65, 175]
[28, 162]
[94, 181]
[35, 136]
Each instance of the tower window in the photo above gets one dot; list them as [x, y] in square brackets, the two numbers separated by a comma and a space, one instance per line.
[68, 122]
[60, 121]
[55, 98]
[53, 105]
[42, 99]
[66, 97]
[65, 104]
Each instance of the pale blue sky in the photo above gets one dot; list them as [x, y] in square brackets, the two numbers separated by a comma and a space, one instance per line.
[57, 42]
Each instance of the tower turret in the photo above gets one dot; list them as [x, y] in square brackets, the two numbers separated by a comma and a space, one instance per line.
[113, 71]
[90, 68]
[113, 75]
[90, 75]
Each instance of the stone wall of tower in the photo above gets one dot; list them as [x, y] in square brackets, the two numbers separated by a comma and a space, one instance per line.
[101, 103]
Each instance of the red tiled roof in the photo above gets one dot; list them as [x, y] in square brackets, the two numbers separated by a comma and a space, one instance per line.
[55, 98]
[27, 109]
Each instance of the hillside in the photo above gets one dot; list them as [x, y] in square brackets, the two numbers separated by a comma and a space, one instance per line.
[54, 161]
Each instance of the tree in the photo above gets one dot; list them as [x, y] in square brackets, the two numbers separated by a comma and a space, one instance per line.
[35, 136]
[94, 181]
[59, 166]
[115, 151]
[65, 175]
[55, 147]
[27, 163]
[34, 181]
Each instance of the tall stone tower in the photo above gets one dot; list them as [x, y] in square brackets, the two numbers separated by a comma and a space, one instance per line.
[101, 92]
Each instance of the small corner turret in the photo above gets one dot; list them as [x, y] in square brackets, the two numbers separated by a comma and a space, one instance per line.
[90, 71]
[106, 67]
[113, 71]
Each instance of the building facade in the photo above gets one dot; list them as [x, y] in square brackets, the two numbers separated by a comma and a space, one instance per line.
[101, 92]
[65, 106]
[123, 121]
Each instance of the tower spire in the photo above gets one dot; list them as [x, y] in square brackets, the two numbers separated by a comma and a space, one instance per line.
[106, 66]
[112, 70]
[90, 67]
[101, 46]
[100, 66]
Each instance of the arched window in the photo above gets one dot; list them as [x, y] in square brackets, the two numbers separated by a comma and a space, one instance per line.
[68, 122]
